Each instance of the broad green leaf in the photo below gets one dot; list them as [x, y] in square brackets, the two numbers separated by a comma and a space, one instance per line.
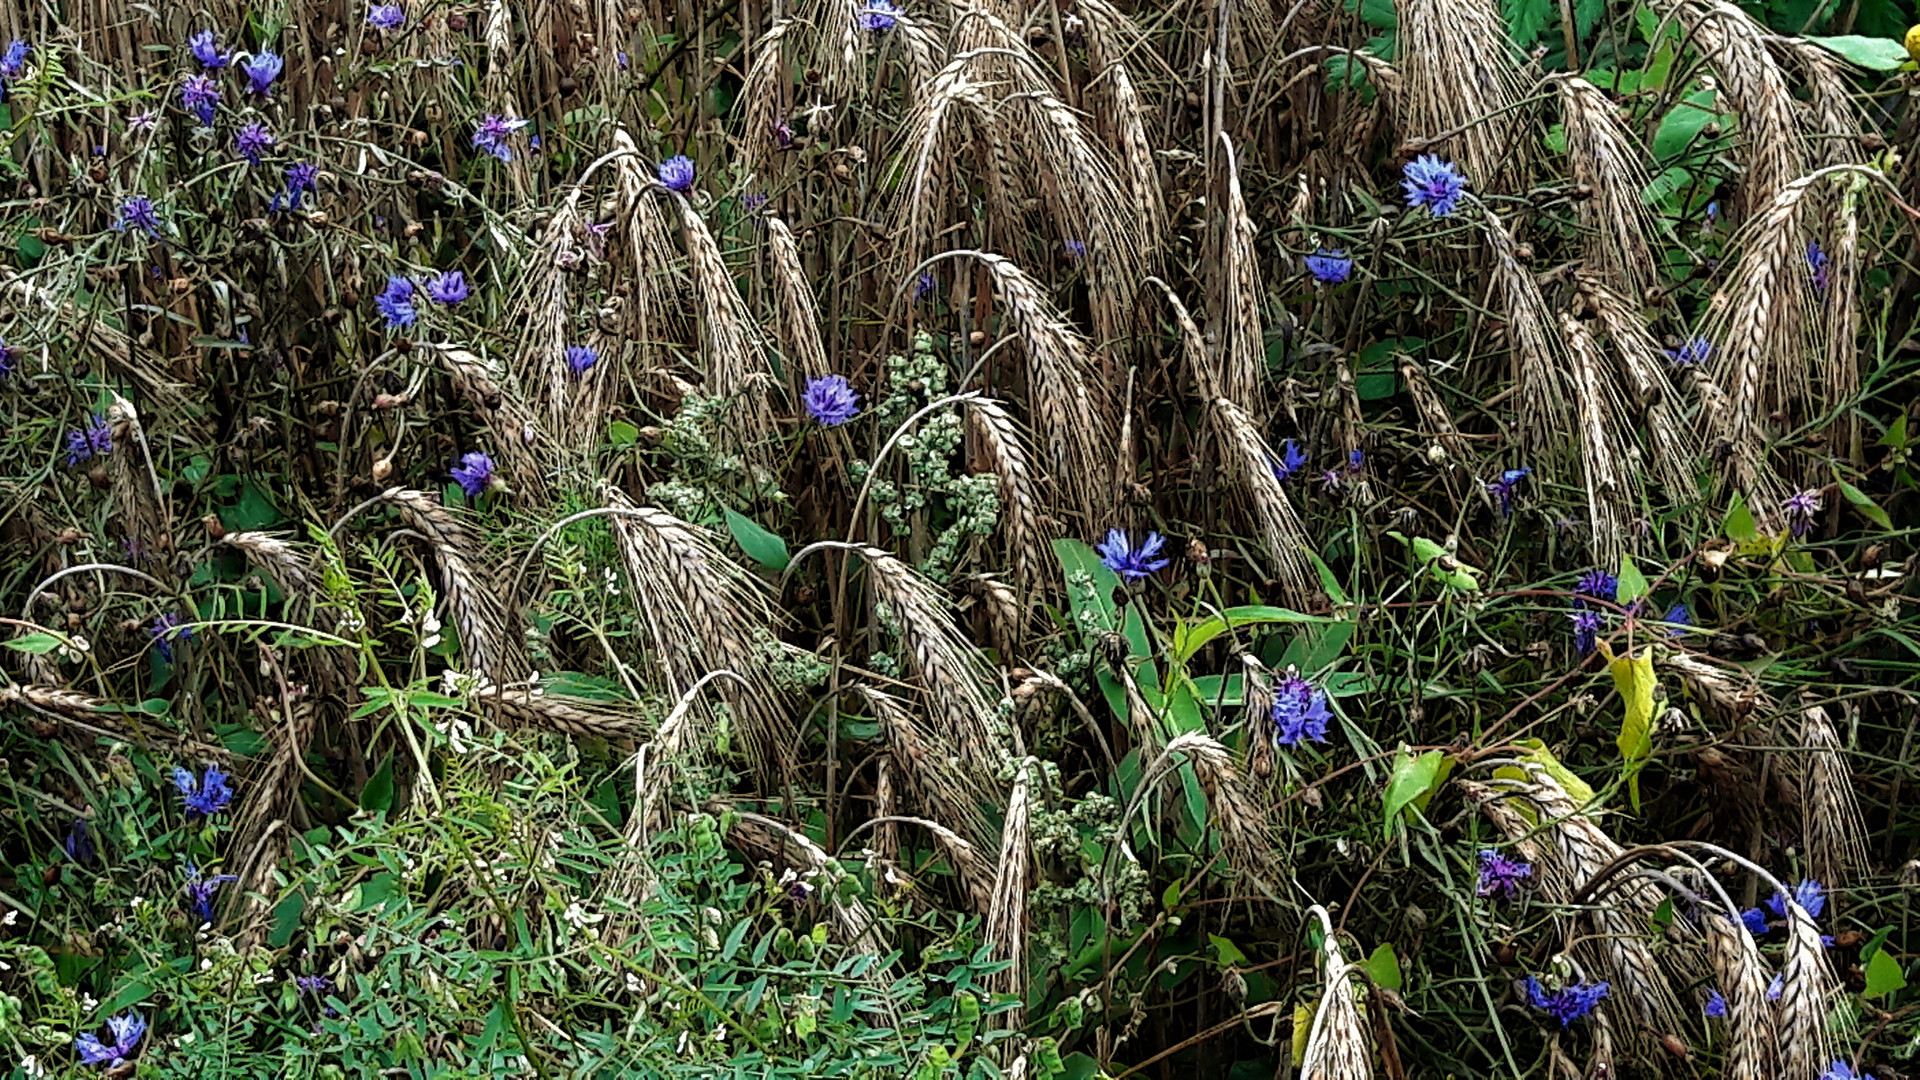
[1327, 581]
[1445, 568]
[1526, 18]
[1679, 131]
[1884, 975]
[1633, 677]
[1188, 638]
[1384, 967]
[378, 794]
[1740, 526]
[1633, 584]
[1872, 53]
[35, 643]
[1227, 951]
[760, 545]
[1412, 777]
[1867, 507]
[622, 434]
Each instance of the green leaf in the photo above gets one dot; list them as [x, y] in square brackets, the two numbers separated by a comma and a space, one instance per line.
[1872, 53]
[1384, 967]
[760, 545]
[1884, 975]
[1740, 526]
[1633, 584]
[1445, 568]
[1537, 752]
[1189, 638]
[622, 434]
[1525, 19]
[1412, 778]
[1328, 582]
[1683, 124]
[1228, 952]
[378, 794]
[35, 643]
[1867, 507]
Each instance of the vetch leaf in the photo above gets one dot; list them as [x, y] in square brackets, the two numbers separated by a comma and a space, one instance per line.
[1412, 777]
[1633, 584]
[760, 545]
[1384, 967]
[1228, 952]
[1883, 975]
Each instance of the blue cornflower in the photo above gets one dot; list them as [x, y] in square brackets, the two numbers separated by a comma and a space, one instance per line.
[448, 289]
[830, 400]
[1680, 615]
[1329, 267]
[14, 62]
[1434, 184]
[1501, 875]
[396, 302]
[1692, 354]
[879, 16]
[494, 133]
[1292, 460]
[924, 285]
[1586, 630]
[205, 46]
[1567, 1004]
[78, 843]
[1299, 711]
[1800, 508]
[1716, 1004]
[127, 1028]
[94, 440]
[168, 631]
[7, 354]
[1596, 585]
[302, 177]
[313, 984]
[386, 16]
[1841, 1070]
[1356, 461]
[200, 892]
[753, 202]
[1817, 266]
[1809, 894]
[676, 173]
[1777, 987]
[1755, 921]
[1130, 563]
[1075, 249]
[199, 95]
[261, 69]
[207, 796]
[1503, 488]
[581, 358]
[138, 212]
[474, 474]
[253, 142]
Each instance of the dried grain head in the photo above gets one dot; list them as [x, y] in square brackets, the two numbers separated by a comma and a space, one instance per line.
[1005, 445]
[491, 632]
[738, 367]
[1539, 359]
[1460, 73]
[1437, 422]
[955, 108]
[799, 316]
[140, 508]
[1242, 349]
[511, 419]
[856, 925]
[1830, 814]
[1243, 832]
[1808, 993]
[535, 709]
[1606, 162]
[1006, 930]
[1644, 376]
[929, 766]
[1111, 39]
[760, 102]
[641, 250]
[1612, 493]
[1337, 1045]
[1770, 150]
[1250, 465]
[1741, 977]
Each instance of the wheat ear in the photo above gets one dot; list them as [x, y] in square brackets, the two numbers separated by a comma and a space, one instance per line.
[1006, 929]
[1337, 1045]
[491, 632]
[738, 369]
[1459, 71]
[1753, 1046]
[1830, 814]
[1611, 493]
[1605, 162]
[1807, 992]
[1243, 828]
[1000, 436]
[515, 433]
[799, 317]
[1675, 448]
[1242, 350]
[1770, 151]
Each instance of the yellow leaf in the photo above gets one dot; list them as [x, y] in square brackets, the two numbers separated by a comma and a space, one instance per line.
[1633, 677]
[1913, 41]
[1302, 1028]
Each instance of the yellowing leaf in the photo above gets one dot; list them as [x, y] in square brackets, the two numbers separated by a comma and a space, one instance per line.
[1537, 752]
[1633, 677]
[1302, 1027]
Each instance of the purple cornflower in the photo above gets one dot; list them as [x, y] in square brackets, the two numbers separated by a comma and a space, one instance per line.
[474, 474]
[94, 440]
[493, 134]
[783, 134]
[1502, 488]
[207, 796]
[676, 173]
[261, 69]
[302, 177]
[13, 64]
[1433, 183]
[1716, 1004]
[924, 285]
[830, 400]
[7, 353]
[1800, 508]
[253, 142]
[1131, 563]
[1329, 267]
[1809, 894]
[1595, 585]
[168, 631]
[1841, 1070]
[753, 202]
[142, 122]
[396, 302]
[1501, 875]
[200, 892]
[1076, 249]
[879, 16]
[1356, 461]
[1330, 481]
[198, 95]
[1292, 460]
[581, 358]
[79, 842]
[1755, 921]
[127, 1028]
[139, 213]
[313, 984]
[1586, 630]
[205, 45]
[1679, 615]
[1692, 354]
[1567, 1004]
[1817, 266]
[386, 16]
[447, 289]
[622, 58]
[1299, 711]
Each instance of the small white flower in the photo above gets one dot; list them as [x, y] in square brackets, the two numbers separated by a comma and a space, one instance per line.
[30, 1067]
[10, 918]
[634, 985]
[87, 1002]
[578, 918]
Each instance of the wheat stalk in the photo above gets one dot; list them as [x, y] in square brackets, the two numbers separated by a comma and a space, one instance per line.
[799, 317]
[928, 763]
[1026, 542]
[491, 633]
[648, 242]
[1110, 36]
[1807, 990]
[1459, 70]
[1606, 164]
